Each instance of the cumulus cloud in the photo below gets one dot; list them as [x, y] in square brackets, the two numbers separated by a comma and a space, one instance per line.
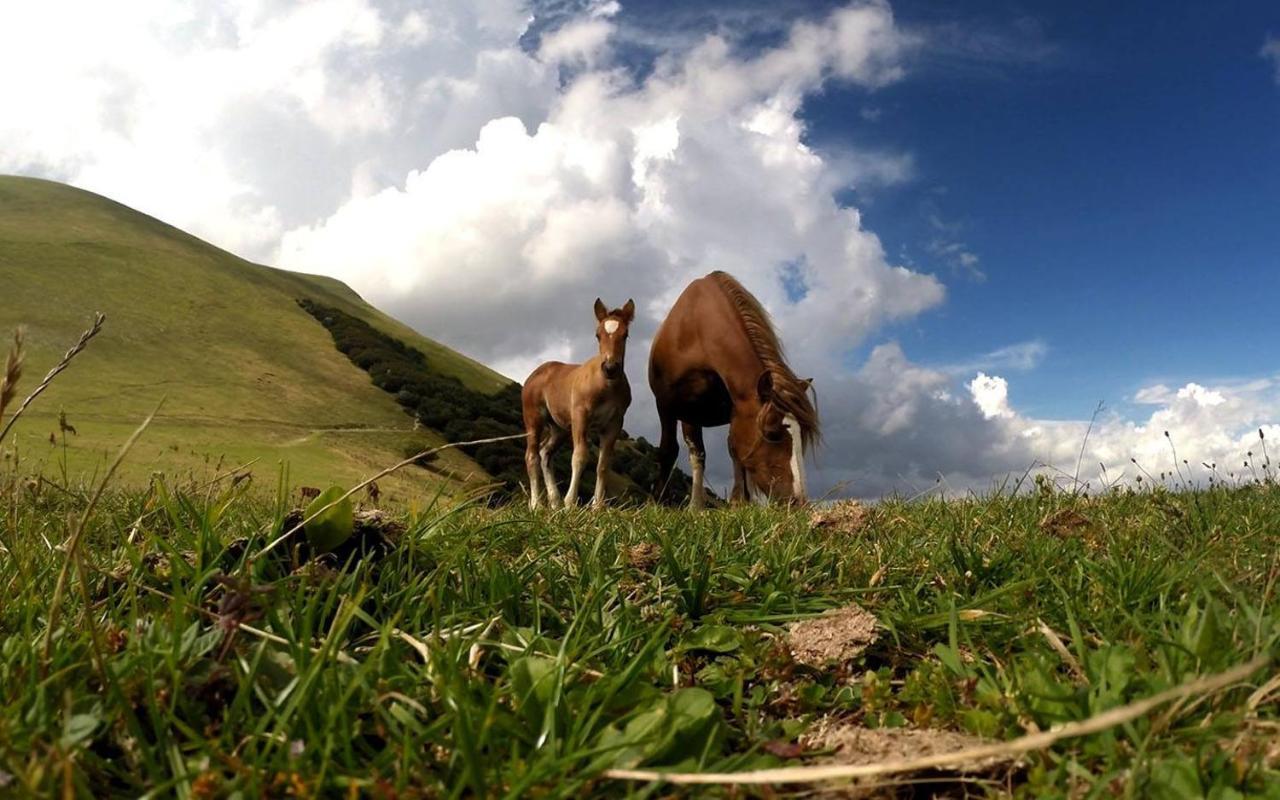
[895, 426]
[242, 119]
[632, 189]
[485, 184]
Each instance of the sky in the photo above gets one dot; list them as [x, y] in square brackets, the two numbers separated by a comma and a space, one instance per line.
[973, 223]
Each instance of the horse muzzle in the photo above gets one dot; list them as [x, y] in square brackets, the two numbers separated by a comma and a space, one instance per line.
[611, 369]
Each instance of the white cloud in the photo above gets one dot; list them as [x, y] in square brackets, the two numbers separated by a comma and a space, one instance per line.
[1271, 51]
[239, 120]
[582, 41]
[1020, 356]
[487, 195]
[633, 189]
[991, 394]
[895, 426]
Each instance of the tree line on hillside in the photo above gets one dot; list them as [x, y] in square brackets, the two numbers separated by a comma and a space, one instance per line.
[462, 414]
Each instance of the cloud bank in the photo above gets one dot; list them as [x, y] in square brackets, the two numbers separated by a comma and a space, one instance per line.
[485, 184]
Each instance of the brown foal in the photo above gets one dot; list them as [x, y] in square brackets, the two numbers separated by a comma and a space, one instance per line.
[559, 398]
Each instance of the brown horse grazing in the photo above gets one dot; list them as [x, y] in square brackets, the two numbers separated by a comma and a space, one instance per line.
[716, 360]
[559, 398]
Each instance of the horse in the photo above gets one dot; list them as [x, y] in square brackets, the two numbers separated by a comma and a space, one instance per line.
[716, 360]
[559, 398]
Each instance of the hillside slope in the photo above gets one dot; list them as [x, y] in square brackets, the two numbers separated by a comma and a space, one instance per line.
[244, 371]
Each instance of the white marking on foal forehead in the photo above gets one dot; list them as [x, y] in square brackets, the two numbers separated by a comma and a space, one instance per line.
[611, 326]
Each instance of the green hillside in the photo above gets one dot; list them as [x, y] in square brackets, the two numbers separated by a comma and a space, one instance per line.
[245, 372]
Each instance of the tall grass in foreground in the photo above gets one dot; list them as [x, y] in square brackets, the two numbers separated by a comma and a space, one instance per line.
[497, 653]
[157, 642]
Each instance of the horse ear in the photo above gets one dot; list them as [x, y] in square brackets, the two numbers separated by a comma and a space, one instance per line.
[629, 311]
[764, 386]
[601, 311]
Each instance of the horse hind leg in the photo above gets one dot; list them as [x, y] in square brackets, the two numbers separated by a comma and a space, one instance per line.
[551, 443]
[668, 449]
[697, 464]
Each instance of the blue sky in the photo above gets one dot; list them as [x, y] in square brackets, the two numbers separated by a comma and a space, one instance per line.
[1115, 167]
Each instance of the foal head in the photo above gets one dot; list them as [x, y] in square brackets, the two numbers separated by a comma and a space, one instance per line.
[611, 333]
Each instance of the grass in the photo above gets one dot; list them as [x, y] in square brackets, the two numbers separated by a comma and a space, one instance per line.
[498, 653]
[241, 365]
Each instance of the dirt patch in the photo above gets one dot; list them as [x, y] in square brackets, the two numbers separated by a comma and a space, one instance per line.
[836, 637]
[643, 556]
[1065, 523]
[856, 745]
[846, 516]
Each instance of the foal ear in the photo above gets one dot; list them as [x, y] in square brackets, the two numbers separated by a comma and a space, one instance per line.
[764, 386]
[629, 311]
[601, 311]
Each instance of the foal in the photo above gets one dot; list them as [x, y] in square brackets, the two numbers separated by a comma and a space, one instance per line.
[559, 398]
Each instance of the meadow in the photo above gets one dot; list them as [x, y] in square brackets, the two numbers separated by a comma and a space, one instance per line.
[462, 650]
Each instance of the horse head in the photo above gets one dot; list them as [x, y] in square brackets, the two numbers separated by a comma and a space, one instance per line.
[773, 455]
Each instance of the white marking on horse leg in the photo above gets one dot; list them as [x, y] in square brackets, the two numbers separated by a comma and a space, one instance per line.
[611, 326]
[698, 491]
[797, 457]
[549, 480]
[548, 475]
[531, 465]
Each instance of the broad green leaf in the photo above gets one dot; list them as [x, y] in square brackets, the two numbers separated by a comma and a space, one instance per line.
[1175, 777]
[712, 639]
[333, 527]
[78, 728]
[533, 681]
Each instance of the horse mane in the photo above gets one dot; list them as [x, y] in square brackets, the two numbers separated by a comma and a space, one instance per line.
[790, 394]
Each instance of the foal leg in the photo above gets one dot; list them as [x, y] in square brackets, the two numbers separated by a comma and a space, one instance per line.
[551, 443]
[697, 462]
[580, 454]
[531, 466]
[602, 464]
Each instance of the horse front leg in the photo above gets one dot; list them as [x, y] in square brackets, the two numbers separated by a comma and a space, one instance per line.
[697, 464]
[580, 454]
[738, 495]
[607, 440]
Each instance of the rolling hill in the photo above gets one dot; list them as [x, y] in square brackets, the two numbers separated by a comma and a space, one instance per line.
[245, 372]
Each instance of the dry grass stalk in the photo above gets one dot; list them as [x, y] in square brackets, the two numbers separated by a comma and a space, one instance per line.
[1024, 744]
[410, 460]
[12, 372]
[93, 331]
